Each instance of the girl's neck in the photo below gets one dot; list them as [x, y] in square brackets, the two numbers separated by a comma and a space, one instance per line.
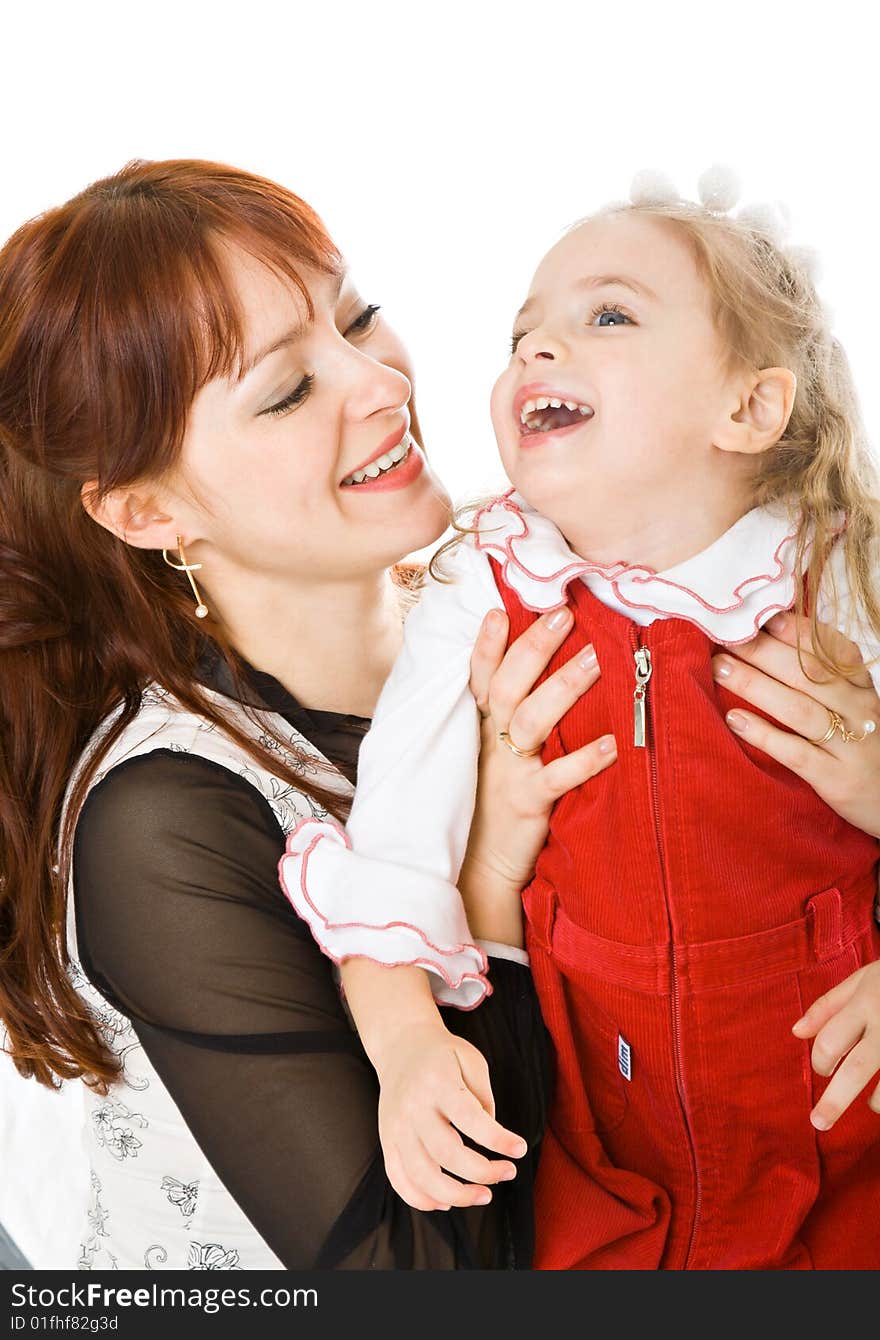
[330, 644]
[662, 533]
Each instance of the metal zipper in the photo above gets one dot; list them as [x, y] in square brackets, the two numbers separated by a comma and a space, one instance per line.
[642, 713]
[644, 670]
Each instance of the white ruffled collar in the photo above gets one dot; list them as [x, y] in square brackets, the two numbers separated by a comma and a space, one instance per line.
[728, 590]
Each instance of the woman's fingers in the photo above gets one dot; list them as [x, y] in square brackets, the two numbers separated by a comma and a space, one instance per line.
[825, 1007]
[534, 718]
[487, 655]
[523, 663]
[786, 628]
[799, 711]
[574, 769]
[853, 1074]
[792, 751]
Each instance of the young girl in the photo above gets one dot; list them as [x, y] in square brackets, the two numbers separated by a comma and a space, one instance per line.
[683, 440]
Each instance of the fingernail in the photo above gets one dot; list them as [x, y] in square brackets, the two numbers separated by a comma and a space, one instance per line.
[558, 618]
[520, 1149]
[722, 668]
[778, 623]
[736, 721]
[509, 1175]
[494, 622]
[483, 1198]
[607, 745]
[588, 659]
[820, 1123]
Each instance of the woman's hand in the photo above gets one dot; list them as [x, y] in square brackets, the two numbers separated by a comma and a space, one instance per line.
[845, 1022]
[846, 1025]
[766, 673]
[515, 794]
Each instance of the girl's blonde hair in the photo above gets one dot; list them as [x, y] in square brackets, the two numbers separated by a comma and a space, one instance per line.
[768, 314]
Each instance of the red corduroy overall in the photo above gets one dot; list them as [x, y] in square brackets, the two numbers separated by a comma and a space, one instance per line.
[688, 906]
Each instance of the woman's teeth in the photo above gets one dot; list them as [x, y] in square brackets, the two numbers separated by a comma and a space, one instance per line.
[382, 464]
[541, 416]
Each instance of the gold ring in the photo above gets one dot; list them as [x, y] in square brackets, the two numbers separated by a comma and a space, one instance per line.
[849, 736]
[835, 724]
[515, 749]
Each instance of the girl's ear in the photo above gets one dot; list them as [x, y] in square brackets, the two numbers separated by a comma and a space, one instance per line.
[132, 516]
[761, 415]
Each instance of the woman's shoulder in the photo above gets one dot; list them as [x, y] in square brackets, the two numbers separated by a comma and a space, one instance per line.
[184, 752]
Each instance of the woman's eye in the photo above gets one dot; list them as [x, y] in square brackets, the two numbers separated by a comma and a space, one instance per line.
[365, 320]
[515, 339]
[295, 398]
[609, 309]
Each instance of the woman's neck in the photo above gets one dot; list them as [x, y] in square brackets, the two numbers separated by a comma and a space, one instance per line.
[330, 644]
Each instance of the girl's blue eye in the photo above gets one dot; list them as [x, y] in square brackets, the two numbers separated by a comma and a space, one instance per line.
[605, 308]
[297, 395]
[609, 309]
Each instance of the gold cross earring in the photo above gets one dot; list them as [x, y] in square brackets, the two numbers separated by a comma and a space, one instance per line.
[189, 569]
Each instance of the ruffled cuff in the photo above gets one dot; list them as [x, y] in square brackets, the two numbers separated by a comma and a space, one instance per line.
[410, 915]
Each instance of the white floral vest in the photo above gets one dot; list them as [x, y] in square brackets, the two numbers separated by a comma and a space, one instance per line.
[155, 1202]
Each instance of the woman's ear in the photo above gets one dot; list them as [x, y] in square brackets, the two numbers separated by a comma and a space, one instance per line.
[761, 414]
[133, 515]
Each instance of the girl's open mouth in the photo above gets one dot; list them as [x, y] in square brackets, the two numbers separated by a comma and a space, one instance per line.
[543, 415]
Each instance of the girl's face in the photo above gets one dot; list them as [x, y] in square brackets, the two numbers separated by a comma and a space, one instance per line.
[617, 327]
[304, 466]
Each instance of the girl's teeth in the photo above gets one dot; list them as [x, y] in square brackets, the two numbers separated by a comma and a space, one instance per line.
[384, 461]
[373, 470]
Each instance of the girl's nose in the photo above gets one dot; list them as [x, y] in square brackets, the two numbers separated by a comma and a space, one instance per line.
[538, 344]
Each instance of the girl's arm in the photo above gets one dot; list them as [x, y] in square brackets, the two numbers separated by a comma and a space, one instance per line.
[845, 1022]
[434, 1085]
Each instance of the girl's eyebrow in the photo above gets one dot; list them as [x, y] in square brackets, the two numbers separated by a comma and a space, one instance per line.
[287, 337]
[637, 286]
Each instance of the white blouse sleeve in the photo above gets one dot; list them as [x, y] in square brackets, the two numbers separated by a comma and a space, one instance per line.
[384, 888]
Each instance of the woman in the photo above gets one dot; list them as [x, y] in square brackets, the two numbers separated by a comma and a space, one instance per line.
[189, 379]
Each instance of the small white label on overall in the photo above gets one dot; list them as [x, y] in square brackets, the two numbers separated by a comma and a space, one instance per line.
[624, 1057]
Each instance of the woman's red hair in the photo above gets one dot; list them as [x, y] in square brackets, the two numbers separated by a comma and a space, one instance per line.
[115, 308]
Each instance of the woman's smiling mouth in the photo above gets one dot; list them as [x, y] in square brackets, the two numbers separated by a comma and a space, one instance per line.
[396, 466]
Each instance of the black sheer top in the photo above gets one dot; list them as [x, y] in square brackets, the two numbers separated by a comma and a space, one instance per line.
[182, 925]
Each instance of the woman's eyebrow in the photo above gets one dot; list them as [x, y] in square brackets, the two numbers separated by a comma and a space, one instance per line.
[289, 336]
[637, 286]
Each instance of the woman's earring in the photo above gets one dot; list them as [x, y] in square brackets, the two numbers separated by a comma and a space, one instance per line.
[189, 569]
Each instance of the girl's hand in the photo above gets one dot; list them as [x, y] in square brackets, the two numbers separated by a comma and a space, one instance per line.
[433, 1086]
[516, 795]
[766, 673]
[846, 1025]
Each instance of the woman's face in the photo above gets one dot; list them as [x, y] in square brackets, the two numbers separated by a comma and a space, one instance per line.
[276, 457]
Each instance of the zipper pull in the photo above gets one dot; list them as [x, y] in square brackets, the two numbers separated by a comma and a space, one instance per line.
[644, 670]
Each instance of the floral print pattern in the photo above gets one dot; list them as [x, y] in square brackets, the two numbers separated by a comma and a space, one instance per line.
[121, 1138]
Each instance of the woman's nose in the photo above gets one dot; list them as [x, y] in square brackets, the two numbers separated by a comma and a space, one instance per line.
[377, 389]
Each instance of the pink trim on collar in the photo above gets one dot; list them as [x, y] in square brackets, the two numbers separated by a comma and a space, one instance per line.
[537, 559]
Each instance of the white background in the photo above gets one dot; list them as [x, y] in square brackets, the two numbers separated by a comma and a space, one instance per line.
[445, 146]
